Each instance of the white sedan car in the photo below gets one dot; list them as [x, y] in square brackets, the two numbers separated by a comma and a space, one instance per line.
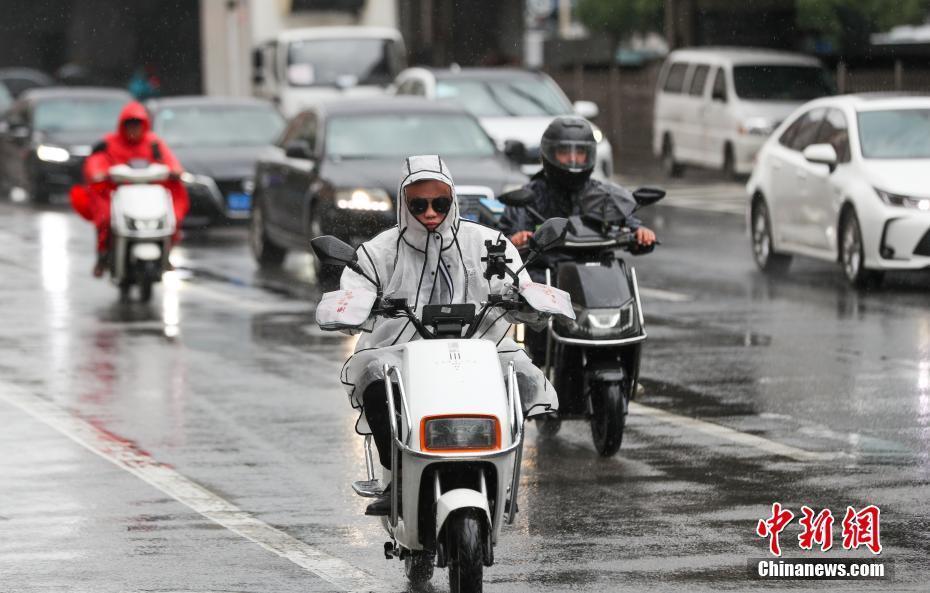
[846, 179]
[512, 104]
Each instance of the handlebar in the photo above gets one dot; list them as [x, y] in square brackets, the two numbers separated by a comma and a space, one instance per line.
[399, 308]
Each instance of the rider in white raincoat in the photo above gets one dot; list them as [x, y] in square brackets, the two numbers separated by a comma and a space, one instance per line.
[432, 267]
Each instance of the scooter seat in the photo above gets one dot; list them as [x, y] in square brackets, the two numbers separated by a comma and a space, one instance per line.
[368, 488]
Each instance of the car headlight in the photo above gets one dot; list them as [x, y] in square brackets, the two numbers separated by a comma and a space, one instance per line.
[598, 323]
[598, 134]
[188, 177]
[371, 199]
[460, 433]
[248, 185]
[757, 126]
[903, 201]
[52, 154]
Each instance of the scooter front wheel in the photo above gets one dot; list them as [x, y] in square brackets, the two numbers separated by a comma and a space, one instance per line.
[608, 417]
[466, 553]
[418, 567]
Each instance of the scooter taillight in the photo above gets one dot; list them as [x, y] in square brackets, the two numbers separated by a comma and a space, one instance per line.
[460, 433]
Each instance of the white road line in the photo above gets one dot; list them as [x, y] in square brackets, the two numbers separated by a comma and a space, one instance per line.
[735, 436]
[665, 295]
[124, 455]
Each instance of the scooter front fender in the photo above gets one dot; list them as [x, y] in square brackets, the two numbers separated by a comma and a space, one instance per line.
[460, 498]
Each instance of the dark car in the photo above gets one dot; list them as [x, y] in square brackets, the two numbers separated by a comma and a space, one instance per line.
[48, 132]
[337, 167]
[218, 140]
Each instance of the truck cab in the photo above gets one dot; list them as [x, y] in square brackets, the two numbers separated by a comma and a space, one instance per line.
[301, 67]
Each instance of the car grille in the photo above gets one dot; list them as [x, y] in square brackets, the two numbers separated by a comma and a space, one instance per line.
[923, 247]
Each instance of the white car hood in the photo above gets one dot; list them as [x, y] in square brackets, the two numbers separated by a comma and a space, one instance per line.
[905, 177]
[772, 111]
[527, 130]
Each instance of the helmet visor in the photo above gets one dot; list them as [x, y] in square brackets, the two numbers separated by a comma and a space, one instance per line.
[570, 155]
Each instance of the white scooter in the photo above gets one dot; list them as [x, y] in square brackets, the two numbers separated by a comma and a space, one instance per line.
[456, 454]
[142, 224]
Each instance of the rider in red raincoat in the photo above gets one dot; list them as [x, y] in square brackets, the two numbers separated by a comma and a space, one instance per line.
[132, 140]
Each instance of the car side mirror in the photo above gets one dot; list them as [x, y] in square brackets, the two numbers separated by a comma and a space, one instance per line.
[332, 251]
[647, 196]
[821, 154]
[550, 234]
[517, 198]
[515, 151]
[299, 149]
[586, 109]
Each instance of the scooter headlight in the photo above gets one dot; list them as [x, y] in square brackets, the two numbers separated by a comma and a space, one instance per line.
[460, 433]
[137, 224]
[592, 324]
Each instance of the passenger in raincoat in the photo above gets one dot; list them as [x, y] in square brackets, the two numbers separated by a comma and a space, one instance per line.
[431, 257]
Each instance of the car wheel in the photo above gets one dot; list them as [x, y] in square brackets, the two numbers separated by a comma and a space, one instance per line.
[762, 251]
[670, 166]
[327, 277]
[266, 253]
[729, 163]
[852, 254]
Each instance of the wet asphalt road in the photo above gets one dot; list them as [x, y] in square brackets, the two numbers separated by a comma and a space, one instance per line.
[225, 380]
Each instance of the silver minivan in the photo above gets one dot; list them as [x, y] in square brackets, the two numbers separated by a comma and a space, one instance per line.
[714, 107]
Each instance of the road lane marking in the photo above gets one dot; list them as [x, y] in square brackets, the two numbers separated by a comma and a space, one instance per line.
[665, 295]
[128, 457]
[733, 435]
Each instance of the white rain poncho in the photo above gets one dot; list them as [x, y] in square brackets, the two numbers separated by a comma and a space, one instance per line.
[434, 267]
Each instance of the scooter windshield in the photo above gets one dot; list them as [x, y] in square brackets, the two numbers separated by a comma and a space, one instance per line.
[605, 207]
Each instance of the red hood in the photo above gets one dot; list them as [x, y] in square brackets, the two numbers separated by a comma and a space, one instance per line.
[133, 110]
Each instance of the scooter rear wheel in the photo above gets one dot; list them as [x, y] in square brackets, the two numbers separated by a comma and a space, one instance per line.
[466, 553]
[418, 567]
[608, 417]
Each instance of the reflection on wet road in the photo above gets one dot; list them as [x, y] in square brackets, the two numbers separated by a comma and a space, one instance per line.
[757, 390]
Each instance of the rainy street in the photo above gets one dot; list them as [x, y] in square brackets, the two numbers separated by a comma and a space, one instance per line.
[203, 442]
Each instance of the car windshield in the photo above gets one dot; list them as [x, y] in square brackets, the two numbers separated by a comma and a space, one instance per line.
[504, 98]
[328, 62]
[781, 83]
[216, 125]
[895, 134]
[78, 114]
[400, 135]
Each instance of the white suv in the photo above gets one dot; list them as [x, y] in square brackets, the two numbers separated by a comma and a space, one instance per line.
[510, 103]
[845, 179]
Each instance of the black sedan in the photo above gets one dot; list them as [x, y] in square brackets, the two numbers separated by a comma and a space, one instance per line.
[337, 167]
[48, 132]
[218, 140]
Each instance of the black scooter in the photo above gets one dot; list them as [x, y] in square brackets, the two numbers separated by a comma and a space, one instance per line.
[593, 361]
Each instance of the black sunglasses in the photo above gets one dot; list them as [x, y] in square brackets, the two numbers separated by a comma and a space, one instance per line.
[418, 206]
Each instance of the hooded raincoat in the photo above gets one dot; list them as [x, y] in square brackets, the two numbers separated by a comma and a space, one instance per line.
[115, 149]
[435, 267]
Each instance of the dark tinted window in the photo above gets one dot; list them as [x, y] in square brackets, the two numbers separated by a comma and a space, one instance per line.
[834, 131]
[806, 133]
[781, 83]
[675, 78]
[698, 79]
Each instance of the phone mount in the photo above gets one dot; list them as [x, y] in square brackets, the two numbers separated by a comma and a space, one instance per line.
[497, 260]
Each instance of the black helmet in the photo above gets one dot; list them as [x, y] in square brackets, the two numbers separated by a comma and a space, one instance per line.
[568, 149]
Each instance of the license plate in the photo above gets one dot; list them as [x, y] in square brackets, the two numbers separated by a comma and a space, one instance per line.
[239, 201]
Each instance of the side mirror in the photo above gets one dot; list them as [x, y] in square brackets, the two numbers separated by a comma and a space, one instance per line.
[586, 109]
[299, 149]
[515, 151]
[821, 154]
[517, 198]
[647, 196]
[332, 251]
[550, 234]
